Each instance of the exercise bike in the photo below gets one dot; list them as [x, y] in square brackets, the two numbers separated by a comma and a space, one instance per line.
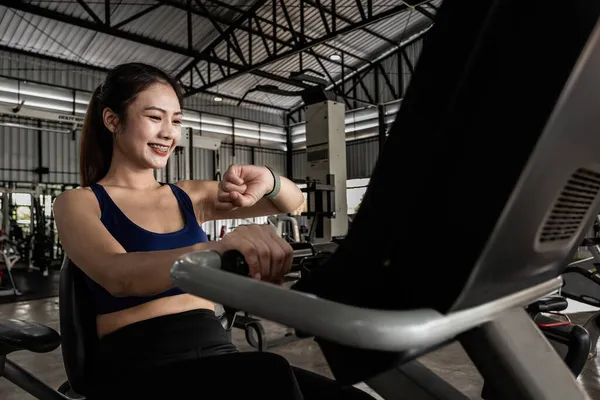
[582, 284]
[576, 343]
[306, 257]
[371, 310]
[571, 341]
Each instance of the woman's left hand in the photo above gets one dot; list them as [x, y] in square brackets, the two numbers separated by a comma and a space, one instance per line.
[243, 186]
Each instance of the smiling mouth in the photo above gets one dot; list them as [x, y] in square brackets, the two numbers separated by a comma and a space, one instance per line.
[160, 148]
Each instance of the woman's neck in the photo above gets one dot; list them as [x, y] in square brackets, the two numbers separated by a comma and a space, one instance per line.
[124, 175]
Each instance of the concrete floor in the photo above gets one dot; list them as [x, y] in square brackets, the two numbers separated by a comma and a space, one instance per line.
[450, 362]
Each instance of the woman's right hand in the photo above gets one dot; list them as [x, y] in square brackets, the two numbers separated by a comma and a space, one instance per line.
[269, 257]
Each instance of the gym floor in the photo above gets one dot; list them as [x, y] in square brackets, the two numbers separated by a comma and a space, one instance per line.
[450, 362]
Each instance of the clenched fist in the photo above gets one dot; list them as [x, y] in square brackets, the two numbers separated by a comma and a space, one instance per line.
[243, 186]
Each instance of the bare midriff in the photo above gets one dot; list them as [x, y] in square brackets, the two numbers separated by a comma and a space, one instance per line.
[107, 323]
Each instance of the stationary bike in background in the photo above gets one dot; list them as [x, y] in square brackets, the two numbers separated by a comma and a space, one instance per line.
[582, 284]
[570, 340]
[576, 343]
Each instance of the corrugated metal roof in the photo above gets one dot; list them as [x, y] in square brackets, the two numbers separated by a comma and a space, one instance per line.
[358, 43]
[205, 103]
[40, 35]
[168, 23]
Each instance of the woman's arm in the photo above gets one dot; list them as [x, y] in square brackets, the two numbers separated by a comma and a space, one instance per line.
[95, 251]
[241, 194]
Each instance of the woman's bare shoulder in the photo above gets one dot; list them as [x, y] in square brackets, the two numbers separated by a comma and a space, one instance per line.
[75, 200]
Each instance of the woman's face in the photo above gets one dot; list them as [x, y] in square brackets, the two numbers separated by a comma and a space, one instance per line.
[152, 128]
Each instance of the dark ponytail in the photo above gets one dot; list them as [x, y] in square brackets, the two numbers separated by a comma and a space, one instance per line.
[96, 143]
[122, 85]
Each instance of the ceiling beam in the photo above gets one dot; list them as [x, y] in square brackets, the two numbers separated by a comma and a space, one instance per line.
[112, 31]
[304, 46]
[249, 13]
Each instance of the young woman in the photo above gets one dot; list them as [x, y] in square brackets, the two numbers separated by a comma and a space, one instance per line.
[124, 230]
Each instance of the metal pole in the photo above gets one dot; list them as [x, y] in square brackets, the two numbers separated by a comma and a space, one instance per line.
[191, 154]
[289, 155]
[382, 127]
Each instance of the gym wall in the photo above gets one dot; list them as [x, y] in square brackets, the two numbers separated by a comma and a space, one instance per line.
[14, 64]
[44, 143]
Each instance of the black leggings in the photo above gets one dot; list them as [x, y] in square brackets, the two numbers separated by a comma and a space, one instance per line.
[190, 356]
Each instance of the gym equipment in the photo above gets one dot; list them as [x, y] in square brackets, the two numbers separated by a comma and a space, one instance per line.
[524, 194]
[582, 284]
[571, 341]
[286, 227]
[582, 279]
[10, 257]
[41, 240]
[36, 244]
[5, 211]
[306, 257]
[326, 166]
[372, 311]
[17, 335]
